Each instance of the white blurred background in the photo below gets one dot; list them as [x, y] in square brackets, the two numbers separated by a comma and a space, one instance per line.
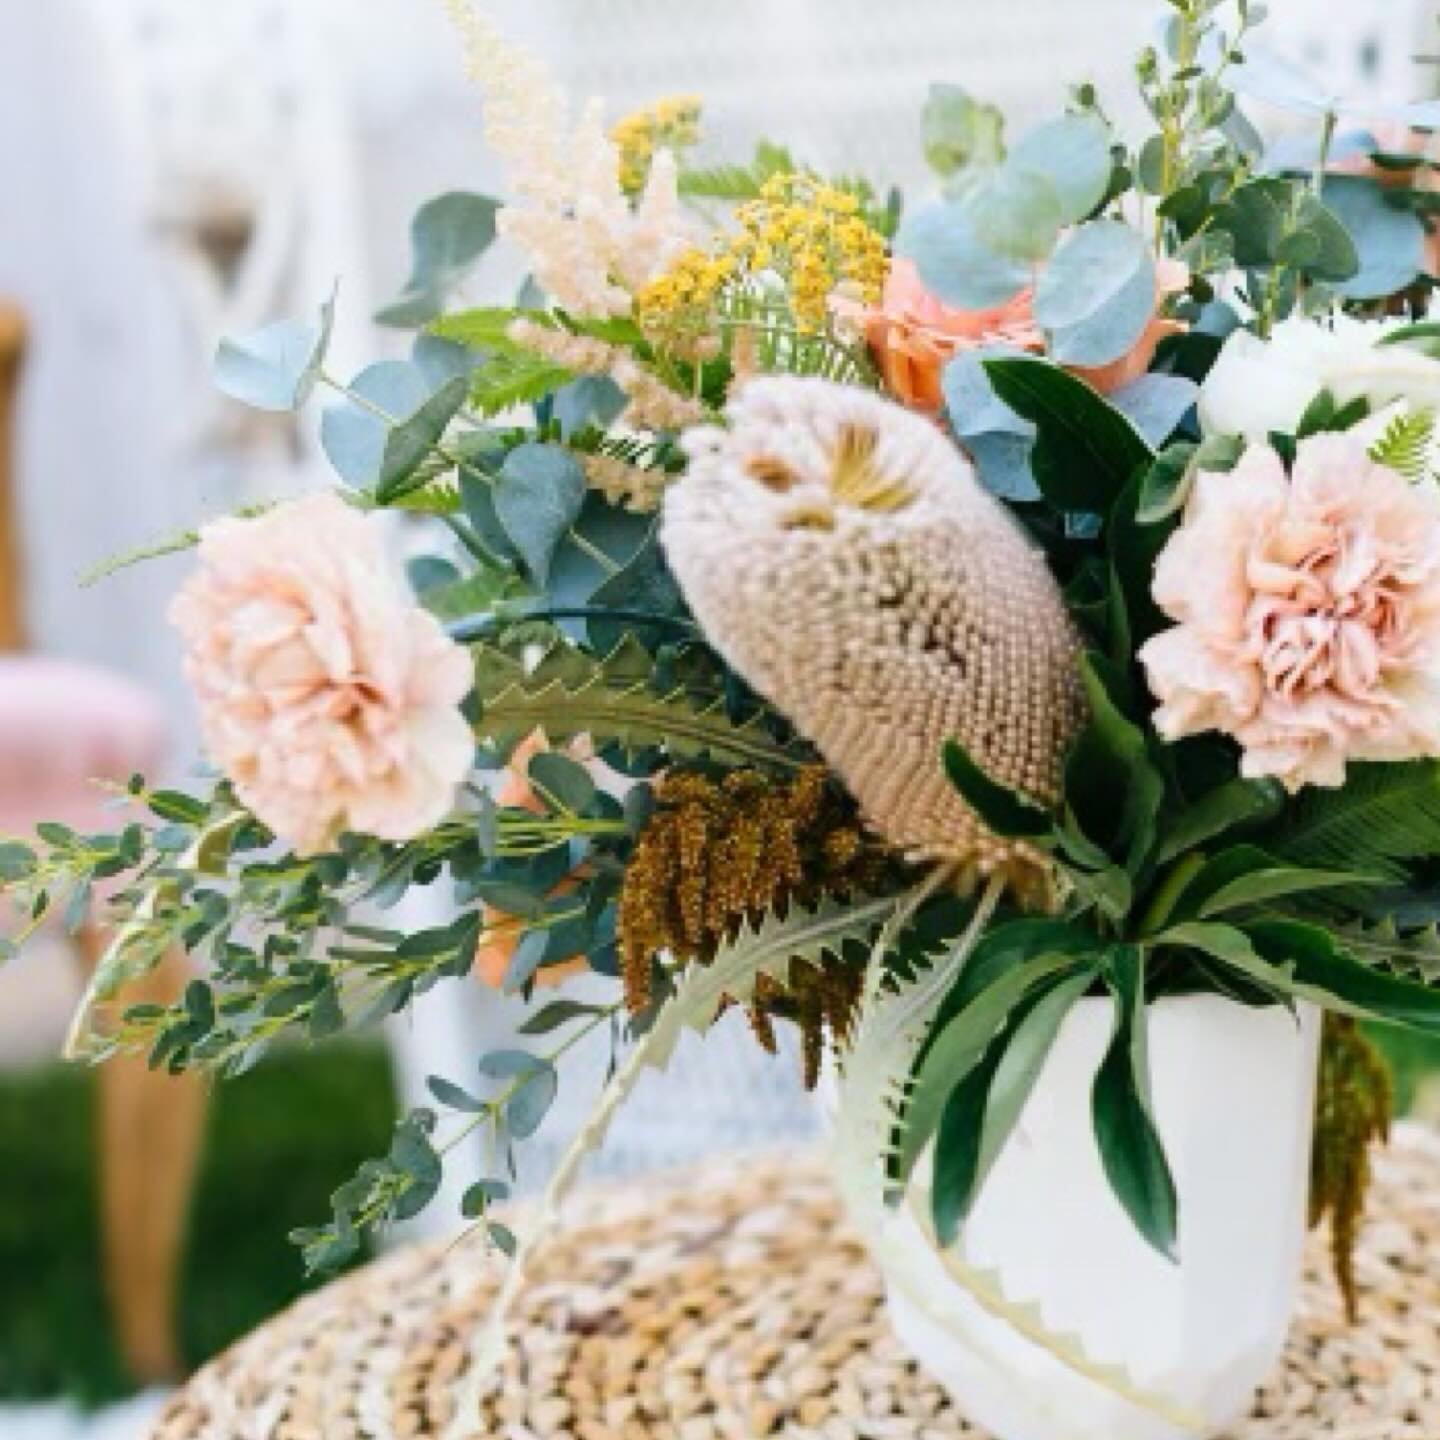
[172, 171]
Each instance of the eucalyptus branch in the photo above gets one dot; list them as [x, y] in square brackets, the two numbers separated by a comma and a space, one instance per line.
[463, 463]
[385, 1185]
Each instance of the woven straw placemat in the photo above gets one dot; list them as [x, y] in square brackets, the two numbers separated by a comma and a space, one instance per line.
[730, 1303]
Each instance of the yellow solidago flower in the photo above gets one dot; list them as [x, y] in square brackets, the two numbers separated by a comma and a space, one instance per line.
[816, 238]
[669, 124]
[810, 235]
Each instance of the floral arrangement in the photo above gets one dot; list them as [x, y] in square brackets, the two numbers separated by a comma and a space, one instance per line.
[897, 618]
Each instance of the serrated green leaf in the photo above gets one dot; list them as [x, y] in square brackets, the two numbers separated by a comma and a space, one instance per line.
[1309, 962]
[770, 949]
[570, 693]
[1384, 945]
[488, 327]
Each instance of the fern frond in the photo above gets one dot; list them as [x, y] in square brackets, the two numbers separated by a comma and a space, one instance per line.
[440, 496]
[782, 349]
[612, 701]
[894, 1019]
[515, 377]
[733, 184]
[1406, 445]
[769, 950]
[1385, 813]
[487, 327]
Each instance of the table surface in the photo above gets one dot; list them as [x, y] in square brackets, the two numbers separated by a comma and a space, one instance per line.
[732, 1301]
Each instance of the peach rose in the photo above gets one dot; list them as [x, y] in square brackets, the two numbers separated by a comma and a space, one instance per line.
[1171, 277]
[493, 955]
[1308, 610]
[329, 699]
[913, 336]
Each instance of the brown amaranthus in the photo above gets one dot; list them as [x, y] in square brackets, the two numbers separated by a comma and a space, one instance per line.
[1352, 1111]
[718, 853]
[820, 999]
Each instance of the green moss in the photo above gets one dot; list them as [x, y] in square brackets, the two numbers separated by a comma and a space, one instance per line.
[279, 1140]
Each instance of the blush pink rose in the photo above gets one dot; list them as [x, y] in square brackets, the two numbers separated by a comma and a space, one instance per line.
[1308, 613]
[327, 697]
[913, 335]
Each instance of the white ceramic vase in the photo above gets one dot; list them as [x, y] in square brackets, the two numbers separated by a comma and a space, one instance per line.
[1233, 1098]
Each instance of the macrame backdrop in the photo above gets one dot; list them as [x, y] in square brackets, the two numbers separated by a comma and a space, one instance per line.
[170, 171]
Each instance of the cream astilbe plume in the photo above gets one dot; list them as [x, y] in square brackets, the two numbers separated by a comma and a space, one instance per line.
[840, 554]
[588, 248]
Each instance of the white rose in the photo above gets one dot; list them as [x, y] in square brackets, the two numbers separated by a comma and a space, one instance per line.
[1257, 386]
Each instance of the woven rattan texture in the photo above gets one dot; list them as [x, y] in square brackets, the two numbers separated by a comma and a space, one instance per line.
[732, 1301]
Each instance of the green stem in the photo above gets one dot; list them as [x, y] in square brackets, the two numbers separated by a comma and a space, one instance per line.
[1322, 160]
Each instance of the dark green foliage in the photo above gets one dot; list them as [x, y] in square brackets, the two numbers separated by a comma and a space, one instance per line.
[1085, 451]
[1124, 1129]
[276, 1140]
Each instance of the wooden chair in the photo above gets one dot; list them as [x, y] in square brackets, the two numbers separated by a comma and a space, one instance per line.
[62, 725]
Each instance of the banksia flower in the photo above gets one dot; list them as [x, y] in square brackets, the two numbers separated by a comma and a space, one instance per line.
[840, 554]
[717, 853]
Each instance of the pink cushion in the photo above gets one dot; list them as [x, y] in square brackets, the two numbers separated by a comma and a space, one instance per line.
[63, 725]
